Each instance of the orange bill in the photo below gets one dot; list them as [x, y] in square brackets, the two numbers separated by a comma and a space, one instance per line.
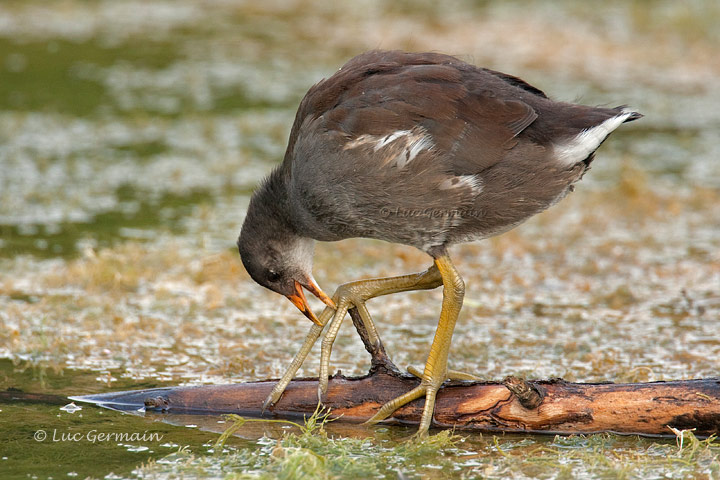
[298, 299]
[315, 290]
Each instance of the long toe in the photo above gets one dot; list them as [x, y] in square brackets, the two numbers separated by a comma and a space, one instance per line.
[390, 407]
[451, 374]
[427, 390]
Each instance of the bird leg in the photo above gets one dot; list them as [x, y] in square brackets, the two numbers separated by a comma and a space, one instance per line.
[436, 371]
[451, 375]
[299, 358]
[352, 296]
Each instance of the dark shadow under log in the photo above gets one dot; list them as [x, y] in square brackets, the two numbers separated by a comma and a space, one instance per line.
[515, 405]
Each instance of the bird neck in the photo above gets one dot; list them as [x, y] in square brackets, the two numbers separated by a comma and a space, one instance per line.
[272, 200]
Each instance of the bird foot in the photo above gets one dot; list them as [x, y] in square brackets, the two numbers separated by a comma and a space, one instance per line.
[427, 388]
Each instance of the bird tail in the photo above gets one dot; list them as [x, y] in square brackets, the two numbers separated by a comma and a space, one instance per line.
[623, 109]
[582, 146]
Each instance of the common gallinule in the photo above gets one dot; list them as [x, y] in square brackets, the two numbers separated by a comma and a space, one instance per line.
[421, 149]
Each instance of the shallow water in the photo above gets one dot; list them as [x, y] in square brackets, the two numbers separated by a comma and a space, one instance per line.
[132, 134]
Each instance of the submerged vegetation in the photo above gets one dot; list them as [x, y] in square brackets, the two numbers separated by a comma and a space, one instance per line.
[132, 133]
[311, 452]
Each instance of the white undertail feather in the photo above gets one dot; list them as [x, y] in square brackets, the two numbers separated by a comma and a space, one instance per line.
[586, 142]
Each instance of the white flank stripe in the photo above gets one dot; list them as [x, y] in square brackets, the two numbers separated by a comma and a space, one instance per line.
[581, 146]
[418, 144]
[387, 139]
[403, 146]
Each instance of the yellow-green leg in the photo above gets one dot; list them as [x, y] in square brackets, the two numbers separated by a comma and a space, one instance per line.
[436, 371]
[451, 375]
[298, 360]
[348, 295]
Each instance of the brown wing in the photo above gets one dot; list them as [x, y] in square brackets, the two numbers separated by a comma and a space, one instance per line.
[472, 115]
[409, 132]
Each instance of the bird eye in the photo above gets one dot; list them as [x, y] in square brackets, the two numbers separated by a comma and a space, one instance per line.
[273, 276]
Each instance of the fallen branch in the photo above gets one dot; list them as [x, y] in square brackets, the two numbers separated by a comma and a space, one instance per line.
[514, 405]
[563, 408]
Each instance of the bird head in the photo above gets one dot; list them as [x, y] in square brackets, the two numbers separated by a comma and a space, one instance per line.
[277, 258]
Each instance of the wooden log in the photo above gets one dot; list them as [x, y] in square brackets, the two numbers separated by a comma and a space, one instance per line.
[514, 405]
